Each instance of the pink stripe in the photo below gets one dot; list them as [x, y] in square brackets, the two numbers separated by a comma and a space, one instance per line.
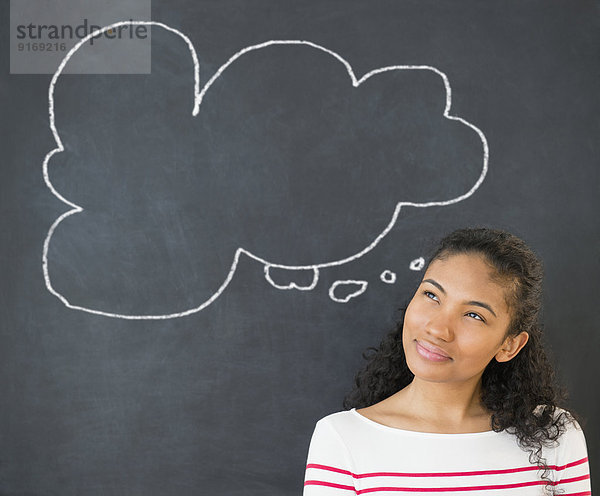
[329, 484]
[469, 488]
[574, 479]
[330, 469]
[447, 489]
[440, 474]
[349, 488]
[572, 464]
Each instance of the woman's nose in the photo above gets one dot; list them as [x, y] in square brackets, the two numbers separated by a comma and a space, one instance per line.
[440, 326]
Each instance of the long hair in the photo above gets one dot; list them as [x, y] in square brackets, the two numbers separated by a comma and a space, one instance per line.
[522, 394]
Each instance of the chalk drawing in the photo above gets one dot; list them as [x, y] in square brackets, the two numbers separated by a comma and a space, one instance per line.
[198, 96]
[360, 286]
[417, 264]
[388, 277]
[293, 285]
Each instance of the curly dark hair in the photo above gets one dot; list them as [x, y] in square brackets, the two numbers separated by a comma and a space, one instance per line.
[522, 393]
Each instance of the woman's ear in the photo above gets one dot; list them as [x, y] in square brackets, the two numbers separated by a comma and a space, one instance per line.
[511, 347]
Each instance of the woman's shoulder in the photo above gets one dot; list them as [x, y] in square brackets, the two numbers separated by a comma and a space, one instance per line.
[349, 423]
[571, 432]
[337, 418]
[336, 426]
[558, 413]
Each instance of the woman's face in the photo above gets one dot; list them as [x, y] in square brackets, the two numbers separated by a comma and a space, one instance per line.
[462, 311]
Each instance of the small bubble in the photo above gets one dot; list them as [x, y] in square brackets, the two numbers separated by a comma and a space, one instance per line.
[417, 264]
[339, 286]
[388, 277]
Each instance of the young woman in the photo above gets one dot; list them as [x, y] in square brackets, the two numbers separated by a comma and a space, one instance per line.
[460, 399]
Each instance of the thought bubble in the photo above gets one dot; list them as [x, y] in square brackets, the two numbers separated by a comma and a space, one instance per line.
[284, 155]
[344, 291]
[417, 264]
[388, 277]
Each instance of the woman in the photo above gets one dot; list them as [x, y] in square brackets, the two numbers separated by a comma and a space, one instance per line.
[460, 398]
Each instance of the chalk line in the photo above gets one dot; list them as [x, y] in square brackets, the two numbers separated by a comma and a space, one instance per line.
[362, 287]
[198, 96]
[388, 277]
[417, 264]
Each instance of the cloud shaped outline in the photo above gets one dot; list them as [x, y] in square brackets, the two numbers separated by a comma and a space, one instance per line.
[198, 96]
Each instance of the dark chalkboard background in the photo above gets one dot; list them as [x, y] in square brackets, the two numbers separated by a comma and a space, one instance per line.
[291, 163]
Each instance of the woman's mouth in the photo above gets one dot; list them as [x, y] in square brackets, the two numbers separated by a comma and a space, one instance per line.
[431, 352]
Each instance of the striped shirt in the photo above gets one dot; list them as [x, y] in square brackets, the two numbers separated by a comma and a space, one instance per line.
[351, 454]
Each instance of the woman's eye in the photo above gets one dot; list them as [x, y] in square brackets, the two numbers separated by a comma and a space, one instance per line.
[429, 294]
[475, 316]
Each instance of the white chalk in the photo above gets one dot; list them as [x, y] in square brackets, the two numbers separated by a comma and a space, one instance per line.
[198, 96]
[417, 264]
[388, 277]
[361, 288]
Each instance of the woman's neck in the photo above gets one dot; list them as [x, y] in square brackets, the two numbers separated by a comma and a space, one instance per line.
[452, 405]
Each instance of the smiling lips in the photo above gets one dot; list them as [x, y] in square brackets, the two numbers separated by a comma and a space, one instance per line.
[431, 352]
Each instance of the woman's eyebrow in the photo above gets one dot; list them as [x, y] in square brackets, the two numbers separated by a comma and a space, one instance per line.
[476, 303]
[436, 284]
[484, 305]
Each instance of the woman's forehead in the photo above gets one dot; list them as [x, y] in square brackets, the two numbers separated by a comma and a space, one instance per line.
[468, 276]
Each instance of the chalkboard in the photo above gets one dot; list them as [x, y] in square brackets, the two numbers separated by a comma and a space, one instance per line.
[195, 257]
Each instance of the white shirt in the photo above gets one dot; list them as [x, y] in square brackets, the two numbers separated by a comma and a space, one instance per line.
[351, 454]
